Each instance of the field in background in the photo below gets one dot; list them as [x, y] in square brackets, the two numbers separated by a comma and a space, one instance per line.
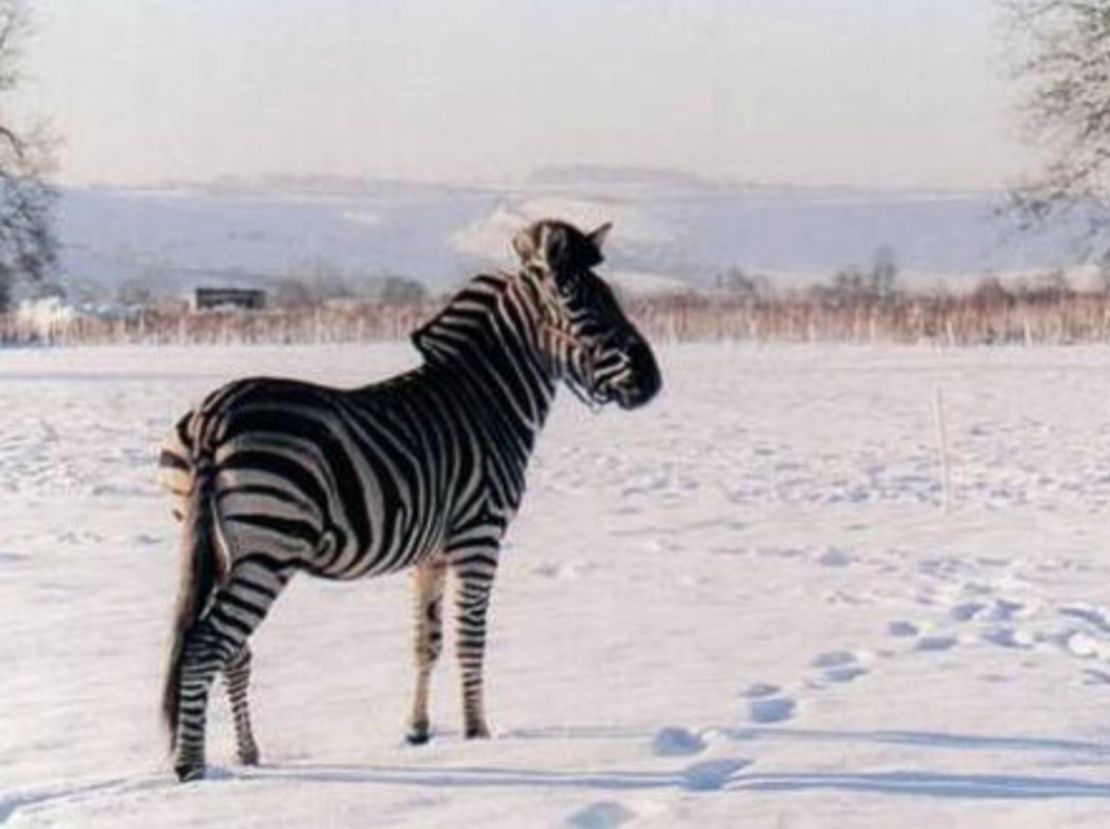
[807, 587]
[991, 314]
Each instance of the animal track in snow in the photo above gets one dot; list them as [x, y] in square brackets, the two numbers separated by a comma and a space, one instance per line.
[674, 741]
[833, 659]
[711, 775]
[933, 644]
[1082, 645]
[1093, 677]
[1092, 615]
[1017, 623]
[845, 673]
[562, 571]
[605, 814]
[1009, 637]
[966, 611]
[1004, 610]
[902, 629]
[767, 703]
[839, 666]
[760, 690]
[771, 709]
[833, 557]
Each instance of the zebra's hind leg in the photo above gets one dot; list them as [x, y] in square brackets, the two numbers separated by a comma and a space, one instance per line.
[236, 610]
[237, 677]
[474, 570]
[428, 589]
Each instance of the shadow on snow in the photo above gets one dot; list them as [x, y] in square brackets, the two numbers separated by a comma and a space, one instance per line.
[733, 774]
[736, 774]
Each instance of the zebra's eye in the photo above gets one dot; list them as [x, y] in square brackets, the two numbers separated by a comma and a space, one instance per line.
[569, 284]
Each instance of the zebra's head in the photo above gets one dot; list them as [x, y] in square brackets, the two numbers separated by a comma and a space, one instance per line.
[592, 345]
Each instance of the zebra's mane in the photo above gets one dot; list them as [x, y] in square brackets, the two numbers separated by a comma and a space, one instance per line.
[468, 318]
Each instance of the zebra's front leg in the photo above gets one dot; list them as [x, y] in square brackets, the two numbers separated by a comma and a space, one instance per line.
[474, 571]
[237, 678]
[428, 588]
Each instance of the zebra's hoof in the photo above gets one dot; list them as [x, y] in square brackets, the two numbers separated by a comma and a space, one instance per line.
[186, 774]
[418, 737]
[249, 757]
[477, 732]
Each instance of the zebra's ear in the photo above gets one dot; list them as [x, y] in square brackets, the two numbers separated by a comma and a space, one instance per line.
[599, 235]
[524, 243]
[544, 243]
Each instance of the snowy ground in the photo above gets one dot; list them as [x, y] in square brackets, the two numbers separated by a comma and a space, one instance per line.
[746, 605]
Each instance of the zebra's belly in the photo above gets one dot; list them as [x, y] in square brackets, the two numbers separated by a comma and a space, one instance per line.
[371, 563]
[259, 518]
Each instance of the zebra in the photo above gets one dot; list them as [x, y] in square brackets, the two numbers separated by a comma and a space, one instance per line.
[271, 477]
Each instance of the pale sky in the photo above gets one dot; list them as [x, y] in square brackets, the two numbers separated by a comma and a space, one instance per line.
[886, 93]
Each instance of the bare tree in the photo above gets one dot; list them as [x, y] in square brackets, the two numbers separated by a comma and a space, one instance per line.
[400, 290]
[739, 283]
[853, 285]
[883, 276]
[28, 247]
[1063, 67]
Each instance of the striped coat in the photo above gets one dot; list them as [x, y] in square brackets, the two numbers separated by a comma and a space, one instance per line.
[271, 477]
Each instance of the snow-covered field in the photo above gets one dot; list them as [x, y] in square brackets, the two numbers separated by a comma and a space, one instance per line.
[753, 603]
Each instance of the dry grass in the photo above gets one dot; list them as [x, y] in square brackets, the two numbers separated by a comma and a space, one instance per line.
[979, 318]
[948, 320]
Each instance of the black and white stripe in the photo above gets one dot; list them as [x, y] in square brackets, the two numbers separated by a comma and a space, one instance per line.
[424, 470]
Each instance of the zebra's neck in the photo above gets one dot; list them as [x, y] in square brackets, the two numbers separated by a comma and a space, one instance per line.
[485, 345]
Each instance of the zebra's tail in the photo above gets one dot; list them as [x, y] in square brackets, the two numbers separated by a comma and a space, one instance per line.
[202, 570]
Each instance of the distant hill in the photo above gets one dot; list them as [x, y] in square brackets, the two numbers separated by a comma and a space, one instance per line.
[670, 225]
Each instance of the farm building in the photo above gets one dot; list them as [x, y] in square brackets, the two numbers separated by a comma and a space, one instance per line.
[251, 299]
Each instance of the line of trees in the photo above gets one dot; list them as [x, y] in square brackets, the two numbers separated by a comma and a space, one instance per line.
[879, 285]
[28, 245]
[1042, 310]
[1061, 64]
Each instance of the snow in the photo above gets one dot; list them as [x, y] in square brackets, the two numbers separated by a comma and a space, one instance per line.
[750, 603]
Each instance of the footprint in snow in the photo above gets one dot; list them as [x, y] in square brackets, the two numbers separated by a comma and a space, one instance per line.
[568, 571]
[839, 666]
[1082, 645]
[766, 704]
[833, 659]
[1091, 615]
[605, 814]
[711, 775]
[1008, 637]
[760, 690]
[1003, 610]
[1093, 677]
[833, 557]
[935, 644]
[674, 741]
[966, 611]
[902, 630]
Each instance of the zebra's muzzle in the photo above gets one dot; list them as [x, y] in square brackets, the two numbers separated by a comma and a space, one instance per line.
[642, 381]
